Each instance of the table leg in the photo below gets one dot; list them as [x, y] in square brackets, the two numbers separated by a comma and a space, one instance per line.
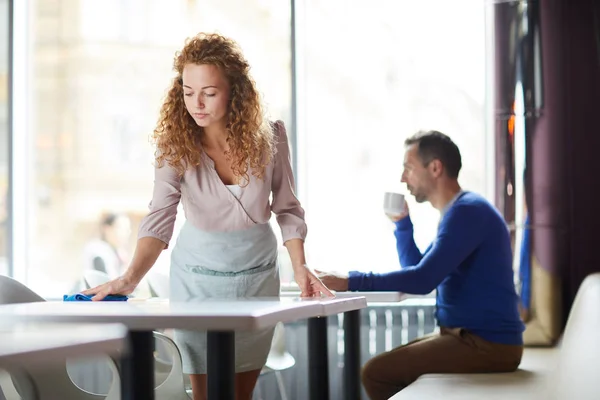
[318, 368]
[221, 365]
[137, 375]
[352, 386]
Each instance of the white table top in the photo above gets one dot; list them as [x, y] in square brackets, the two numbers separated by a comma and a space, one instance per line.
[341, 304]
[213, 314]
[29, 345]
[371, 297]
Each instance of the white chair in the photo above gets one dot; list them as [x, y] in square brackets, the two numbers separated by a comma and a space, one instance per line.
[55, 383]
[7, 387]
[93, 278]
[279, 359]
[51, 383]
[169, 378]
[14, 292]
[159, 288]
[159, 284]
[172, 387]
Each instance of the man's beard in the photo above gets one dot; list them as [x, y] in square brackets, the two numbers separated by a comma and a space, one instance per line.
[420, 197]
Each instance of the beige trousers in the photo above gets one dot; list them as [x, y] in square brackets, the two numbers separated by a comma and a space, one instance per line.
[452, 350]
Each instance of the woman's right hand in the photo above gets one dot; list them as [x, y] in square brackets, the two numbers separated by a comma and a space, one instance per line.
[146, 253]
[121, 285]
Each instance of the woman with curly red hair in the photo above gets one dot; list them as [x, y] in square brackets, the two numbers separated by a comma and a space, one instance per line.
[218, 155]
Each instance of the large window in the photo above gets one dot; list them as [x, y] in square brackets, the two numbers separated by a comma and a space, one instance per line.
[368, 76]
[99, 70]
[4, 144]
[371, 74]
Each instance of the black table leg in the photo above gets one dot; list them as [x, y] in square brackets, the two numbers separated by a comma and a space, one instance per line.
[352, 355]
[318, 368]
[137, 375]
[221, 365]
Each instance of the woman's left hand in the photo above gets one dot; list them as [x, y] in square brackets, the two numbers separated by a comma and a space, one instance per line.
[309, 284]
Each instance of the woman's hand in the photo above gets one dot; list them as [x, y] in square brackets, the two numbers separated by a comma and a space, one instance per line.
[121, 285]
[309, 284]
[146, 253]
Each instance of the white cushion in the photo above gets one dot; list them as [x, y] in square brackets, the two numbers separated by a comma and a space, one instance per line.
[577, 375]
[524, 383]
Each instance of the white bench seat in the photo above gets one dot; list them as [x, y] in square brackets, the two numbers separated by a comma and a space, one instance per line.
[537, 364]
[569, 371]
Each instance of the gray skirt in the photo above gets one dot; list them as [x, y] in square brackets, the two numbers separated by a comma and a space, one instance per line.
[224, 265]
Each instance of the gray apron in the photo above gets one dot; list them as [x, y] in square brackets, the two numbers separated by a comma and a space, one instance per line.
[224, 265]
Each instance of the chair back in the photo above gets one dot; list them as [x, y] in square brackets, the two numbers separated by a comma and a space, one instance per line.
[279, 358]
[93, 278]
[49, 383]
[14, 292]
[159, 284]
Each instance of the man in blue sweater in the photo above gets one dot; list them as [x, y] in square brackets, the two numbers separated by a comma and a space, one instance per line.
[469, 263]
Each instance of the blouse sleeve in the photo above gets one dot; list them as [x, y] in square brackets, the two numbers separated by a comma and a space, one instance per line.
[285, 204]
[160, 221]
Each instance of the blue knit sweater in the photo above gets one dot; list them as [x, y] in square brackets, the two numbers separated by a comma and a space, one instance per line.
[470, 265]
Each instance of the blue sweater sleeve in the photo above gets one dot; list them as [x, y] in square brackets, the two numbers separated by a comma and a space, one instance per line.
[408, 252]
[460, 232]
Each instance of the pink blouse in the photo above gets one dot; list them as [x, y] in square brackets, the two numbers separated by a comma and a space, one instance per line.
[210, 206]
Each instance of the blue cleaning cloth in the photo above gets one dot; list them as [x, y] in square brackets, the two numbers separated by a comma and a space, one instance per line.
[83, 297]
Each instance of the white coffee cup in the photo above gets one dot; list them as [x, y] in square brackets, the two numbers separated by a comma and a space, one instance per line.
[394, 203]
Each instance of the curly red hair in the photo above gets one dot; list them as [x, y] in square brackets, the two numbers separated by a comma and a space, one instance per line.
[250, 140]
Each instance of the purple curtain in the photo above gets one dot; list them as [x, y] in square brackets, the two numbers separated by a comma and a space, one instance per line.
[578, 44]
[547, 136]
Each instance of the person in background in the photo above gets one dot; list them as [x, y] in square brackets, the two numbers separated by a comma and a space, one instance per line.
[469, 263]
[218, 154]
[110, 252]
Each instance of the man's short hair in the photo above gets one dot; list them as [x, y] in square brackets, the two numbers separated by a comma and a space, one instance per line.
[434, 145]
